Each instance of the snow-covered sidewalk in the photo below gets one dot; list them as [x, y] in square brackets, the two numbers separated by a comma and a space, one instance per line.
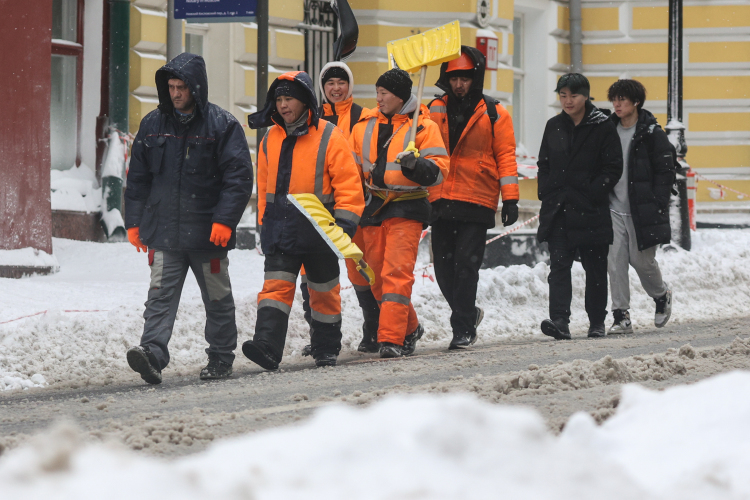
[110, 281]
[687, 442]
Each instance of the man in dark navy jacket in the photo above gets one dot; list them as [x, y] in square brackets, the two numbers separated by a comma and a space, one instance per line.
[189, 182]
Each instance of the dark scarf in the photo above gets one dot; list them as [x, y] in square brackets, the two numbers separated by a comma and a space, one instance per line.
[183, 118]
[460, 110]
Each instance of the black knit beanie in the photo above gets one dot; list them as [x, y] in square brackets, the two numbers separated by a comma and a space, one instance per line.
[335, 72]
[397, 82]
[293, 89]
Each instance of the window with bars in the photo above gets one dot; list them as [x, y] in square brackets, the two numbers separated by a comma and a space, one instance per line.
[320, 27]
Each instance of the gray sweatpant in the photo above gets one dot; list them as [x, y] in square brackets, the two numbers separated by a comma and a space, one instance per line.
[624, 253]
[168, 272]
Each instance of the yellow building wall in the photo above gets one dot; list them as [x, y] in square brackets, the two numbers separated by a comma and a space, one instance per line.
[716, 87]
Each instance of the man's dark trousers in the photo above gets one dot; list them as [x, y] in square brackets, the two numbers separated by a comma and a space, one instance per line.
[168, 272]
[594, 262]
[458, 251]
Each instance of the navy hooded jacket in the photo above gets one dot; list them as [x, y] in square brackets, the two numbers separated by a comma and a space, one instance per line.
[185, 177]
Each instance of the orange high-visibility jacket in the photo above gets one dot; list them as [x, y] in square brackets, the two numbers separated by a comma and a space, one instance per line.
[429, 142]
[318, 162]
[341, 113]
[482, 165]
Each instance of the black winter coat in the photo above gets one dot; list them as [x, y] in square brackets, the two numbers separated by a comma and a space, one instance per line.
[651, 175]
[183, 178]
[578, 168]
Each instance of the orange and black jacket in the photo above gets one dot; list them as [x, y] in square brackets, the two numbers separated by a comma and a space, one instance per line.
[314, 158]
[344, 114]
[482, 154]
[375, 142]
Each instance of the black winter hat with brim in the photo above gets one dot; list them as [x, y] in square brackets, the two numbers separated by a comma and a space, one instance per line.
[397, 82]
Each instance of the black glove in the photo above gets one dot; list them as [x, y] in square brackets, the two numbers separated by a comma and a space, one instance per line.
[407, 160]
[509, 215]
[348, 226]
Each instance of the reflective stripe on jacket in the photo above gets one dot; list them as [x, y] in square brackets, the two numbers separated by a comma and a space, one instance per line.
[483, 164]
[312, 160]
[340, 114]
[364, 145]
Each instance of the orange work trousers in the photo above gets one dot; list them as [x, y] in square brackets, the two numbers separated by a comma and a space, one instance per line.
[391, 250]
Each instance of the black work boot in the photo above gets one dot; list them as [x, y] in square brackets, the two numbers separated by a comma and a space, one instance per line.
[371, 314]
[462, 341]
[597, 330]
[143, 361]
[556, 328]
[216, 368]
[325, 359]
[410, 342]
[258, 355]
[388, 350]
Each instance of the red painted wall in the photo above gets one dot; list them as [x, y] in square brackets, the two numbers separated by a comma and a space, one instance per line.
[25, 66]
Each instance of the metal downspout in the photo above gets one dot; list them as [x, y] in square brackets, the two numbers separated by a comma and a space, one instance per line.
[576, 35]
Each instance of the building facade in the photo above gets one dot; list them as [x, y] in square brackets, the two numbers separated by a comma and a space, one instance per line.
[53, 137]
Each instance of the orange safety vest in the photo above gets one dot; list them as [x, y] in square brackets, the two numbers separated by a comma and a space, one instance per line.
[483, 163]
[429, 142]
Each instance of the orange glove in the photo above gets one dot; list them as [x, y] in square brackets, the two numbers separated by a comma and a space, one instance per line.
[220, 234]
[135, 239]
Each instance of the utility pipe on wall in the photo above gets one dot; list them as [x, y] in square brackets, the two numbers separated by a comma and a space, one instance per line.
[576, 45]
[174, 33]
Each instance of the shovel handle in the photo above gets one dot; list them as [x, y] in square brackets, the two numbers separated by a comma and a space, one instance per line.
[415, 118]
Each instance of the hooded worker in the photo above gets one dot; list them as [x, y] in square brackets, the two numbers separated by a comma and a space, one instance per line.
[397, 210]
[300, 154]
[189, 182]
[336, 83]
[479, 134]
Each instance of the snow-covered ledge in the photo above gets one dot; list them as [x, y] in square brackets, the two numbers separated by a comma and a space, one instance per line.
[26, 261]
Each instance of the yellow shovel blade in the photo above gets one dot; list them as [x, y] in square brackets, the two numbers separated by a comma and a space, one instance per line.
[430, 48]
[311, 207]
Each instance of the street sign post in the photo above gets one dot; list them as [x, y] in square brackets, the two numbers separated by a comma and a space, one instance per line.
[216, 11]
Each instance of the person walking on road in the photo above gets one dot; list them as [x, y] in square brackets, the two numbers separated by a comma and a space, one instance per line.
[301, 153]
[479, 134]
[397, 209]
[189, 181]
[336, 85]
[639, 205]
[580, 162]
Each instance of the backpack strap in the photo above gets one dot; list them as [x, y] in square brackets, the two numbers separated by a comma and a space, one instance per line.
[491, 111]
[355, 113]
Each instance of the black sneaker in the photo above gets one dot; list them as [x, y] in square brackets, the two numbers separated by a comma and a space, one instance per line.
[143, 361]
[258, 356]
[216, 369]
[307, 350]
[325, 360]
[663, 309]
[597, 330]
[410, 342]
[622, 324]
[388, 350]
[556, 328]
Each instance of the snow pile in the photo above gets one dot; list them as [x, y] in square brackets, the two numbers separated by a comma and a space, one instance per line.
[688, 442]
[75, 189]
[27, 257]
[112, 281]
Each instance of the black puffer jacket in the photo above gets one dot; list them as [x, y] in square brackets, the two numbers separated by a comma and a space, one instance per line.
[578, 168]
[185, 177]
[651, 175]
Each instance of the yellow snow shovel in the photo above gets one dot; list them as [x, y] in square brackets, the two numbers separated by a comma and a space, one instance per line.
[430, 48]
[323, 222]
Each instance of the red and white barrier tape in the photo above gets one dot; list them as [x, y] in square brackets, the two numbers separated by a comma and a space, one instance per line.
[64, 310]
[723, 186]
